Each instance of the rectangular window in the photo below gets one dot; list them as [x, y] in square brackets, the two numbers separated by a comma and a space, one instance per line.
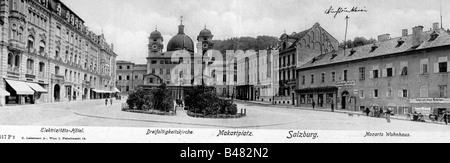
[376, 74]
[390, 72]
[161, 71]
[136, 77]
[120, 77]
[154, 62]
[389, 92]
[442, 67]
[442, 91]
[153, 71]
[375, 93]
[323, 77]
[362, 73]
[303, 80]
[361, 94]
[424, 92]
[312, 78]
[151, 81]
[404, 68]
[333, 76]
[345, 75]
[128, 88]
[405, 93]
[224, 78]
[128, 77]
[424, 66]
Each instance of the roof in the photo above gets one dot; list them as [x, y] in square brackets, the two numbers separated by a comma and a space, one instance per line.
[384, 48]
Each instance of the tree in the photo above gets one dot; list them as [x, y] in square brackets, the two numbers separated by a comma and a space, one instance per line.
[358, 41]
[245, 43]
[162, 98]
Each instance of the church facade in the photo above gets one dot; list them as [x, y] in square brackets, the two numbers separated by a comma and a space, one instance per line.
[178, 65]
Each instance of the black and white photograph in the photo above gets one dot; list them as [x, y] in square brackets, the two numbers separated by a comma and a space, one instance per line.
[224, 71]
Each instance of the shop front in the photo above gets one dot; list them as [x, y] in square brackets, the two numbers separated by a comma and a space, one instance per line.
[321, 97]
[20, 93]
[427, 106]
[3, 95]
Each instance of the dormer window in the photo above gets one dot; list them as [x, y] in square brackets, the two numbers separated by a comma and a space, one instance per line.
[334, 55]
[374, 47]
[433, 36]
[400, 42]
[314, 60]
[352, 52]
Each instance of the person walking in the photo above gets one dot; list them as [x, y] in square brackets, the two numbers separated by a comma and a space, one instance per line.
[446, 114]
[367, 111]
[381, 112]
[313, 104]
[106, 102]
[388, 115]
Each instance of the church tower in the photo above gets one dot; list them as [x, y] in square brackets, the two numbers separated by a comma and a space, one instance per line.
[155, 47]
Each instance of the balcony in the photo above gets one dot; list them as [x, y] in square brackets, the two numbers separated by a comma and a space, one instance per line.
[30, 71]
[13, 70]
[16, 46]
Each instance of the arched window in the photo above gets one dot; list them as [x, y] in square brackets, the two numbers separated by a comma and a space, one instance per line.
[20, 34]
[30, 45]
[41, 47]
[57, 53]
[17, 61]
[14, 32]
[10, 59]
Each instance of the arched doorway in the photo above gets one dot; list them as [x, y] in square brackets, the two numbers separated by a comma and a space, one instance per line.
[57, 93]
[345, 96]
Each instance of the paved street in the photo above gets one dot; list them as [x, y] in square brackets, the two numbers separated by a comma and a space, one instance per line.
[94, 113]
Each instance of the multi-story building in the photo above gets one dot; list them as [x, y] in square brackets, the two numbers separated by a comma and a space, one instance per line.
[48, 55]
[255, 75]
[407, 73]
[295, 50]
[130, 76]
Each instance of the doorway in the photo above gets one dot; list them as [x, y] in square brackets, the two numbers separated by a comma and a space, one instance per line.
[345, 96]
[57, 93]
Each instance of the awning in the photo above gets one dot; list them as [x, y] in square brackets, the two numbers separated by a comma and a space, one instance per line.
[3, 92]
[101, 91]
[116, 90]
[37, 88]
[21, 88]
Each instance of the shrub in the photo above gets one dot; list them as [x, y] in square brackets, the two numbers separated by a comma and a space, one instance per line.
[203, 100]
[159, 99]
[138, 99]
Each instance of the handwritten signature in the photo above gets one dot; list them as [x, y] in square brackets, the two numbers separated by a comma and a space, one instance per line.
[339, 10]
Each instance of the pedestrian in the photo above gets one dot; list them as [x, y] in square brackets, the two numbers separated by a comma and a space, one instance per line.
[106, 102]
[111, 101]
[388, 115]
[367, 111]
[313, 104]
[381, 112]
[446, 117]
[332, 106]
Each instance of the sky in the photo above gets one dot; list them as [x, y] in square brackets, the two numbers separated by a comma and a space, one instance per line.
[128, 23]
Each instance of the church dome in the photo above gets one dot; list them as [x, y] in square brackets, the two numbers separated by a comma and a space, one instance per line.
[180, 41]
[205, 33]
[155, 35]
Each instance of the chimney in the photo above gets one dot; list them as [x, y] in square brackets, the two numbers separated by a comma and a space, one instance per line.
[435, 26]
[404, 32]
[384, 37]
[417, 36]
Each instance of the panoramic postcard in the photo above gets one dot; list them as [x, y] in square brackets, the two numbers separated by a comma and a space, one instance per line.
[224, 71]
